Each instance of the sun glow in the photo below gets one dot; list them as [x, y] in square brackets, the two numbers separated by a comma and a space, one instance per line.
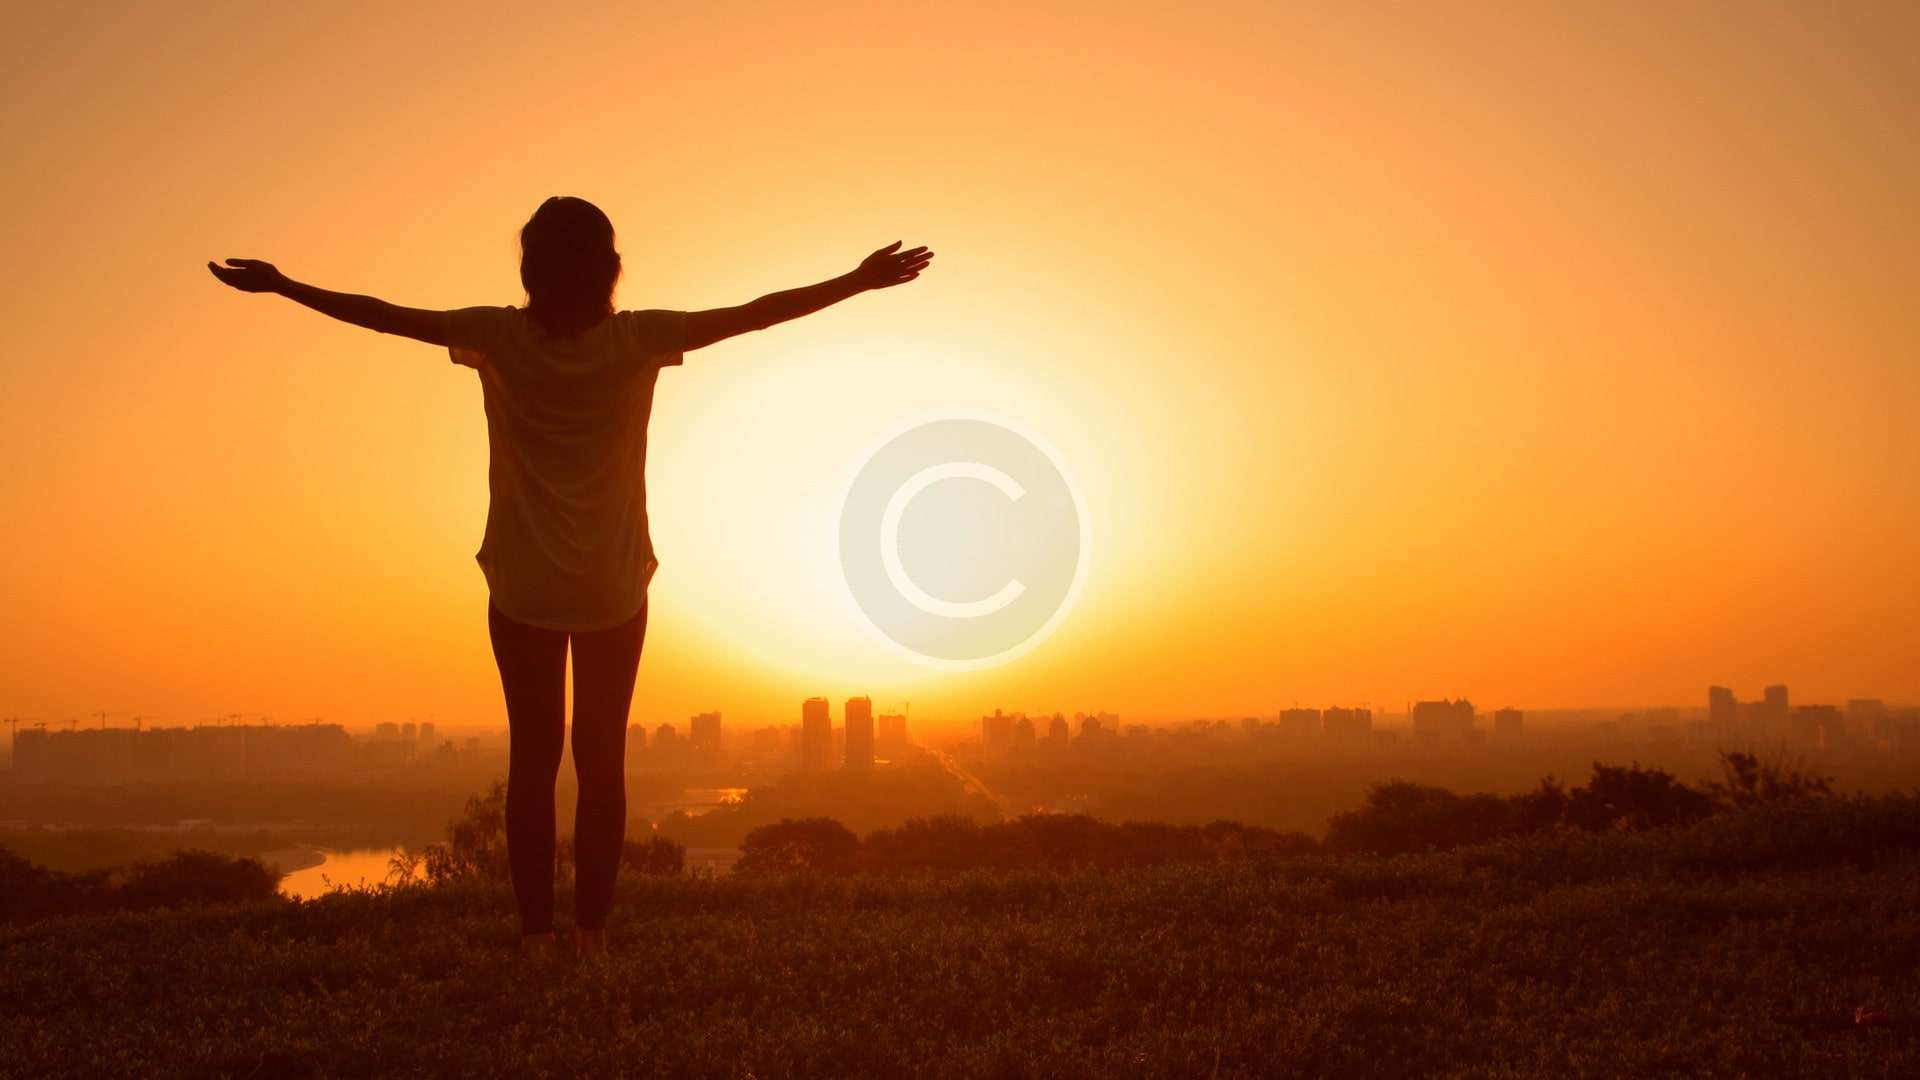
[1393, 357]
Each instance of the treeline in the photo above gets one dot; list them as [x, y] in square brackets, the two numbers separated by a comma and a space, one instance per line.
[1400, 817]
[1397, 817]
[184, 879]
[954, 844]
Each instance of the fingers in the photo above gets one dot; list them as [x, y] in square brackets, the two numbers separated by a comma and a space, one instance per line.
[888, 248]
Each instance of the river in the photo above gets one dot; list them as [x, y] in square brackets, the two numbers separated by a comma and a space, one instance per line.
[314, 871]
[311, 871]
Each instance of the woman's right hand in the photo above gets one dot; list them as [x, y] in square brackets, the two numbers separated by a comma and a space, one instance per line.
[249, 275]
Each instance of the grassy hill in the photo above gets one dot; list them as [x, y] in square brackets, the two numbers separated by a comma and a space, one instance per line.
[1738, 946]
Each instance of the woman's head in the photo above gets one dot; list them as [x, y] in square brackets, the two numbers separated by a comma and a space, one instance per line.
[568, 265]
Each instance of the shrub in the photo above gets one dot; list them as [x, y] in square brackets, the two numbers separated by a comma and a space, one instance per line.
[942, 845]
[1748, 780]
[1634, 799]
[820, 844]
[195, 878]
[654, 855]
[1401, 817]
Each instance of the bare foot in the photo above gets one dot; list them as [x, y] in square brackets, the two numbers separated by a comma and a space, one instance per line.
[539, 946]
[591, 942]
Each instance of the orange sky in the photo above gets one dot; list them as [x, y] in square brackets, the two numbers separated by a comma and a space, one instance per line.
[1547, 356]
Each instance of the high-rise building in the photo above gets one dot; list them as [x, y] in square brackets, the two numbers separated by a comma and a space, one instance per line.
[858, 719]
[1022, 739]
[1057, 736]
[1723, 710]
[127, 755]
[1774, 712]
[893, 736]
[703, 738]
[636, 740]
[816, 735]
[1443, 717]
[426, 731]
[996, 734]
[1867, 718]
[1818, 725]
[1507, 721]
[769, 745]
[1299, 723]
[1346, 723]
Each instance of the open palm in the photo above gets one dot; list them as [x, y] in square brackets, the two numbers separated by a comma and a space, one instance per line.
[890, 266]
[249, 275]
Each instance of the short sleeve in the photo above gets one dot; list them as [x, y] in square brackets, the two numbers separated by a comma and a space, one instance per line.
[474, 333]
[656, 334]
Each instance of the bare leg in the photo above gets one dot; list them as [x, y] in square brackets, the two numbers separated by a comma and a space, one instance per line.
[605, 663]
[533, 673]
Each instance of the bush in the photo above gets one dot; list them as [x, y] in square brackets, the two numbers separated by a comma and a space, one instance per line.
[820, 844]
[184, 879]
[476, 847]
[654, 855]
[1748, 780]
[1401, 817]
[1634, 799]
[194, 879]
[952, 845]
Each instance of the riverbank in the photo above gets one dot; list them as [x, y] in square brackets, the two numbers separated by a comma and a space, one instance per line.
[289, 860]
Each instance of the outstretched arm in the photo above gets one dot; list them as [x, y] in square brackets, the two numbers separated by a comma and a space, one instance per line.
[420, 324]
[884, 268]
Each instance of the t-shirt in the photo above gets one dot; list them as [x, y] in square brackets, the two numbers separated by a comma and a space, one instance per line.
[566, 545]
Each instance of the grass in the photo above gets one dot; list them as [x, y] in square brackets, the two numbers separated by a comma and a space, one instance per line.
[1737, 947]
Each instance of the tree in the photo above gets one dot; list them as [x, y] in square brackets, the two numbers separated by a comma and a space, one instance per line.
[476, 846]
[1746, 780]
[1634, 799]
[192, 878]
[654, 855]
[820, 844]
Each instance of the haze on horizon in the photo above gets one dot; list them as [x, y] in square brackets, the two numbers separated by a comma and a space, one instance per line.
[1552, 357]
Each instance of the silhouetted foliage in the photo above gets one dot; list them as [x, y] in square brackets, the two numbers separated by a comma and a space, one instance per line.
[654, 855]
[476, 847]
[1634, 799]
[194, 879]
[1542, 808]
[1400, 817]
[1748, 780]
[183, 879]
[29, 891]
[1712, 950]
[820, 844]
[950, 844]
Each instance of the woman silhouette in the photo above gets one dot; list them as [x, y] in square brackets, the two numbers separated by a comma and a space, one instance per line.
[567, 382]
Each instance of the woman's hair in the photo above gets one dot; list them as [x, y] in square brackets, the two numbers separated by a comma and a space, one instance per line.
[568, 265]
